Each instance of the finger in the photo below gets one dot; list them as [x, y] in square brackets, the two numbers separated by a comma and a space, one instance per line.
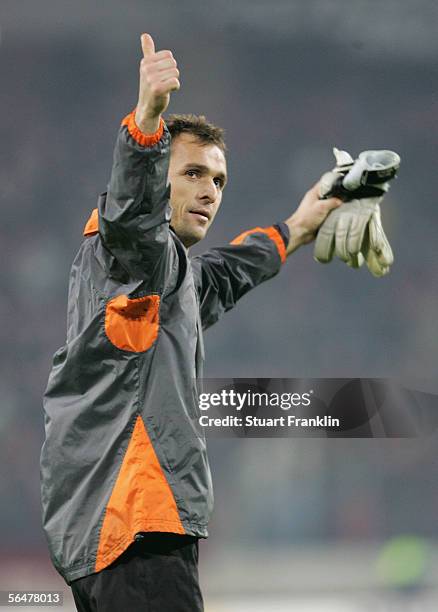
[378, 254]
[356, 235]
[147, 45]
[356, 261]
[379, 243]
[166, 75]
[168, 82]
[326, 182]
[376, 268]
[331, 203]
[342, 157]
[342, 231]
[164, 64]
[325, 242]
[171, 84]
[164, 54]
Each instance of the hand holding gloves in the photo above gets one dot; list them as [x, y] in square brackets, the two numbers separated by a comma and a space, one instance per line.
[354, 231]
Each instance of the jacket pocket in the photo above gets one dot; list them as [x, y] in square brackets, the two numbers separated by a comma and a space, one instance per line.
[132, 324]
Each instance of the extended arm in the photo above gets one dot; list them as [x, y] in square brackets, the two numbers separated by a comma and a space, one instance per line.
[223, 275]
[135, 213]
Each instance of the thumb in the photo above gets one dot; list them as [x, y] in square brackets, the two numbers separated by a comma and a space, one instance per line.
[147, 45]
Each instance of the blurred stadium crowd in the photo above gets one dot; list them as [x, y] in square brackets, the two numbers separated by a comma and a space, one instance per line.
[288, 83]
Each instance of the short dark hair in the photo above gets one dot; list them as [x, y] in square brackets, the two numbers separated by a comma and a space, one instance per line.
[199, 127]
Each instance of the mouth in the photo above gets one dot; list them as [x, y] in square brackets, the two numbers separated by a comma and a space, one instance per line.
[203, 215]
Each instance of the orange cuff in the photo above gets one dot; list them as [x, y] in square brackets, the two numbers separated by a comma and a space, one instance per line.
[92, 226]
[271, 232]
[145, 140]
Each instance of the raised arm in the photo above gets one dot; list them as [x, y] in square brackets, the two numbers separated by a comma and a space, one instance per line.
[134, 214]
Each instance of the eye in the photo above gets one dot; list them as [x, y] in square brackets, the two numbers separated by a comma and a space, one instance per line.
[192, 173]
[219, 182]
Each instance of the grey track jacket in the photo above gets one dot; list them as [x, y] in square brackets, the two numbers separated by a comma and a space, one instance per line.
[124, 452]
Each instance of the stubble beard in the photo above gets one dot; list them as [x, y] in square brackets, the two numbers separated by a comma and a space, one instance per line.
[188, 233]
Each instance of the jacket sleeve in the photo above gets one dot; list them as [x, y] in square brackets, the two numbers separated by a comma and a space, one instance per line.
[223, 275]
[134, 214]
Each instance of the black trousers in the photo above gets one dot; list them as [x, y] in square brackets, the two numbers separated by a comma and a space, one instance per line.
[157, 573]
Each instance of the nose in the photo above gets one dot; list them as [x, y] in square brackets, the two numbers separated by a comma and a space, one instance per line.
[208, 192]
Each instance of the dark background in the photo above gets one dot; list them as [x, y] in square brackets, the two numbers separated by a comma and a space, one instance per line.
[287, 81]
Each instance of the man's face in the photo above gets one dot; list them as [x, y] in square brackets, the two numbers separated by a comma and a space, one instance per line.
[197, 174]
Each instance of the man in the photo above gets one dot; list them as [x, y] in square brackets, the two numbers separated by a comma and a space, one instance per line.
[126, 486]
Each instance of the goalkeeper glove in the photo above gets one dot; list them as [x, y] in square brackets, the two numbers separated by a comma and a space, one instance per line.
[354, 232]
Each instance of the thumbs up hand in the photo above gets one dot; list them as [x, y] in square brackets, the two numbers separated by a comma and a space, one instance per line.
[159, 76]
